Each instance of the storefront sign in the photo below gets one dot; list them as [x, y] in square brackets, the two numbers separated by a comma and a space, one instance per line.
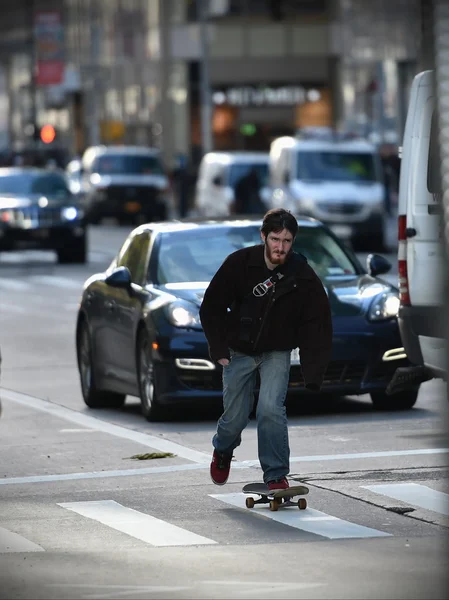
[288, 95]
[49, 48]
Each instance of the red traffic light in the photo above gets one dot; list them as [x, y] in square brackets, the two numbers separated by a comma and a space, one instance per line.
[48, 134]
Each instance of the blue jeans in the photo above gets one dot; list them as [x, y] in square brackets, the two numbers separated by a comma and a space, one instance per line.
[239, 378]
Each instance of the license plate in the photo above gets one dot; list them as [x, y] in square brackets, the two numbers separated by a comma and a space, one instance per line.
[132, 207]
[343, 231]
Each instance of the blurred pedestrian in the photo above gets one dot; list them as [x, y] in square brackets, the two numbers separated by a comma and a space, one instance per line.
[247, 195]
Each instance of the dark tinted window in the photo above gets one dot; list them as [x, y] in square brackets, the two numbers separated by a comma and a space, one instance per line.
[47, 184]
[434, 182]
[127, 164]
[133, 255]
[335, 166]
[195, 255]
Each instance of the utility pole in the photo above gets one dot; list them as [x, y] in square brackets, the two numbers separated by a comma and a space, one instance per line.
[93, 118]
[205, 92]
[32, 85]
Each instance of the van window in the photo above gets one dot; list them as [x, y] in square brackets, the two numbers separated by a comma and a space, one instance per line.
[434, 183]
[335, 166]
[127, 164]
[239, 170]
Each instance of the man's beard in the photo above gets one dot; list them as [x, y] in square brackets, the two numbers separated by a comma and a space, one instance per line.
[276, 258]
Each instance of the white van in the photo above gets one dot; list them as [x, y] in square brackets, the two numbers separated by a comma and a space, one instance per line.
[218, 175]
[337, 181]
[420, 244]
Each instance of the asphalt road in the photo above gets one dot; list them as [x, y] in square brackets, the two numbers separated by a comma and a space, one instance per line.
[80, 518]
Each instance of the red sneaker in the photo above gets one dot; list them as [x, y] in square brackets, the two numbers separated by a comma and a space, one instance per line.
[278, 484]
[220, 467]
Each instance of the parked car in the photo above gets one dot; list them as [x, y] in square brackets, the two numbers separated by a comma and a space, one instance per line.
[218, 175]
[128, 183]
[138, 330]
[37, 210]
[0, 378]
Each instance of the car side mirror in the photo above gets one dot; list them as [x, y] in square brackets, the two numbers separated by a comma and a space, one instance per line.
[217, 180]
[119, 278]
[377, 265]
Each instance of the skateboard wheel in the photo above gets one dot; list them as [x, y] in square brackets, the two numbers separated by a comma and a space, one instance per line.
[249, 502]
[273, 505]
[302, 503]
[279, 501]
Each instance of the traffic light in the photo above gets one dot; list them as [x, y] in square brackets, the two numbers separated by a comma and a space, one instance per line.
[47, 134]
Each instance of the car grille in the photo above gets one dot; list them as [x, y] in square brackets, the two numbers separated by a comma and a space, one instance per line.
[32, 217]
[202, 380]
[339, 372]
[132, 193]
[340, 208]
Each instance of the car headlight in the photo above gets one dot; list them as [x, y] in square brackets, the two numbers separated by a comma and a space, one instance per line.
[183, 314]
[70, 213]
[385, 306]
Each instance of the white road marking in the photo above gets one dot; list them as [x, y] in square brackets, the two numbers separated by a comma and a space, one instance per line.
[12, 308]
[13, 542]
[310, 520]
[55, 281]
[139, 525]
[117, 591]
[414, 494]
[152, 441]
[14, 284]
[99, 474]
[357, 455]
[78, 430]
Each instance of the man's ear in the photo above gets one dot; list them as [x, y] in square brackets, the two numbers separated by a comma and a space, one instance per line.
[263, 237]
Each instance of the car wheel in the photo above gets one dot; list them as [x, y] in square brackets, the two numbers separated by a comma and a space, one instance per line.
[74, 253]
[93, 397]
[151, 409]
[400, 401]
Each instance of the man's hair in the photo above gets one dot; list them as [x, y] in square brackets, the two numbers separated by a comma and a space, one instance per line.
[278, 219]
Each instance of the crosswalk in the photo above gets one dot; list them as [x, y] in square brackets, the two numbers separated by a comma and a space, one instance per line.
[310, 524]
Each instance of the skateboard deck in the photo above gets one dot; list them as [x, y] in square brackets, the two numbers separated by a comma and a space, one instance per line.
[275, 498]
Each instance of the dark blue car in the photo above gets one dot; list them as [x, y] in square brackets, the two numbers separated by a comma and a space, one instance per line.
[138, 330]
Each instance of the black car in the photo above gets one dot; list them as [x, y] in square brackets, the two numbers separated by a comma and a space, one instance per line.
[37, 210]
[127, 183]
[138, 329]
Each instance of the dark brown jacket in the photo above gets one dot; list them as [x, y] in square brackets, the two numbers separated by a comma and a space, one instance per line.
[298, 312]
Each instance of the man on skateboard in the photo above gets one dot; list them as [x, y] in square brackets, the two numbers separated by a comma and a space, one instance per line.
[263, 302]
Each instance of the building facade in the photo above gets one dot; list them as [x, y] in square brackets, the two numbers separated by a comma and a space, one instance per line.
[134, 70]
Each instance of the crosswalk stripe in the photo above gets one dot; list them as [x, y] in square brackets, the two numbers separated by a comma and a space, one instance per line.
[13, 542]
[310, 520]
[136, 524]
[415, 494]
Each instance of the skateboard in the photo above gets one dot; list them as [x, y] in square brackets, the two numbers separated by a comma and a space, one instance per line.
[275, 498]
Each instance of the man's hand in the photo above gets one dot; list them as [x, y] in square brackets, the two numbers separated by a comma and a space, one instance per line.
[224, 362]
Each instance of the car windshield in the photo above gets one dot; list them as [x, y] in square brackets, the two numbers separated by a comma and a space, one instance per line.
[127, 164]
[195, 255]
[336, 166]
[239, 170]
[47, 184]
